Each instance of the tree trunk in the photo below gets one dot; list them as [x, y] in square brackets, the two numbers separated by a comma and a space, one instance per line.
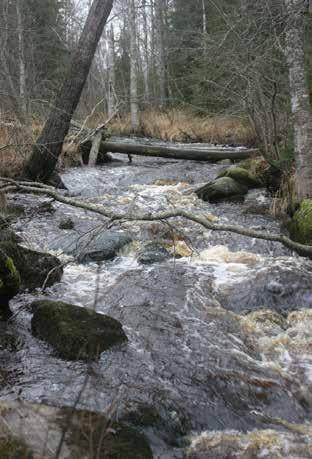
[146, 55]
[160, 9]
[300, 104]
[111, 103]
[134, 104]
[163, 151]
[46, 151]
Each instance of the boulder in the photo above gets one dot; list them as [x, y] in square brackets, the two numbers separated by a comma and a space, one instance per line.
[35, 268]
[66, 224]
[153, 253]
[242, 176]
[75, 333]
[9, 283]
[26, 427]
[101, 246]
[223, 188]
[300, 227]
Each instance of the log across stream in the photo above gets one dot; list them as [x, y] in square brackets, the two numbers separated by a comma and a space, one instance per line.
[185, 152]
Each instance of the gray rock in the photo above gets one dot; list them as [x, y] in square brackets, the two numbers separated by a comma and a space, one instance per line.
[74, 332]
[101, 246]
[153, 253]
[223, 188]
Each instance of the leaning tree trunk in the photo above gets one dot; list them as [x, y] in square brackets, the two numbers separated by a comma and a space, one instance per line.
[300, 104]
[48, 147]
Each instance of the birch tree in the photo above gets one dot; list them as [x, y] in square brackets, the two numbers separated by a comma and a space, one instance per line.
[134, 103]
[48, 147]
[300, 103]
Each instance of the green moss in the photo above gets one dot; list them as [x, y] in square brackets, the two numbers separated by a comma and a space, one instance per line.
[242, 176]
[94, 435]
[12, 448]
[33, 266]
[75, 332]
[300, 227]
[223, 188]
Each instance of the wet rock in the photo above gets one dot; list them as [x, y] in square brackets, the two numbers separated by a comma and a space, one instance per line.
[56, 181]
[174, 310]
[100, 246]
[223, 188]
[66, 224]
[111, 440]
[74, 332]
[278, 285]
[153, 253]
[9, 283]
[267, 444]
[300, 227]
[8, 235]
[40, 428]
[242, 176]
[35, 268]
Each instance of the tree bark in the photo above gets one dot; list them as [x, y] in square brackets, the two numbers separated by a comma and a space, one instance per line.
[49, 144]
[194, 154]
[134, 103]
[160, 10]
[300, 104]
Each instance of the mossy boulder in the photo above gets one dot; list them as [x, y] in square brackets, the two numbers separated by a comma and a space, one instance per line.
[74, 332]
[35, 268]
[222, 189]
[94, 435]
[300, 226]
[9, 283]
[13, 448]
[242, 176]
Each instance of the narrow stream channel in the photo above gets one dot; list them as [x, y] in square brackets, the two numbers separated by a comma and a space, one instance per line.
[219, 339]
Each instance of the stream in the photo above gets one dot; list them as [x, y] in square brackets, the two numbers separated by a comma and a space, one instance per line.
[219, 338]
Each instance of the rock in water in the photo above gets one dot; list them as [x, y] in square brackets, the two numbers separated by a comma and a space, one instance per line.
[35, 268]
[105, 245]
[300, 227]
[9, 283]
[74, 332]
[242, 176]
[27, 427]
[223, 188]
[153, 253]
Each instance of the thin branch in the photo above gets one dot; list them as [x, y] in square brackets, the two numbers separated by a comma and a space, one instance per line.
[37, 188]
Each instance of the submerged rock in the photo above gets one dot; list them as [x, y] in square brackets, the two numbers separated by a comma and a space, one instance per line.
[153, 253]
[101, 246]
[27, 427]
[35, 268]
[223, 188]
[9, 283]
[74, 332]
[300, 227]
[242, 176]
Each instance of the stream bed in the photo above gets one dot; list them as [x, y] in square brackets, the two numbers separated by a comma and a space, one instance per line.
[219, 358]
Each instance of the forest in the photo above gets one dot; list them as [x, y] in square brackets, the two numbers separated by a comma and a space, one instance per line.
[155, 229]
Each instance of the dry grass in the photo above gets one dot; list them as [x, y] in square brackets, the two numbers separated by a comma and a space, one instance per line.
[181, 126]
[14, 150]
[174, 125]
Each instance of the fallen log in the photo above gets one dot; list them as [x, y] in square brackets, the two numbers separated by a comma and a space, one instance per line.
[177, 152]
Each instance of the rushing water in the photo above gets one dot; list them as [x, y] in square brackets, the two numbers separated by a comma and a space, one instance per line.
[219, 340]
